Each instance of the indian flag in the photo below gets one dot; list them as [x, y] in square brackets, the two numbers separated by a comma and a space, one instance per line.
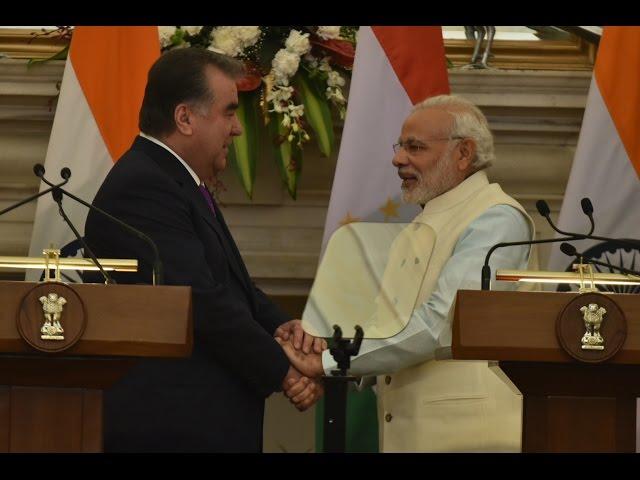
[96, 120]
[606, 166]
[394, 68]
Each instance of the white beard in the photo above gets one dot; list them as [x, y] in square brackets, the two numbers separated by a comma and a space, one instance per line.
[441, 179]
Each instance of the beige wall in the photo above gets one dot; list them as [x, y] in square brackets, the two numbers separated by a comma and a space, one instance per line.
[535, 115]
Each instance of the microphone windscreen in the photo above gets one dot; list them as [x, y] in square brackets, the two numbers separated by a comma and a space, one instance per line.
[568, 249]
[543, 208]
[587, 206]
[38, 169]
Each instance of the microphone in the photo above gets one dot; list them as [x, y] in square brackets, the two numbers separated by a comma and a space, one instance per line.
[486, 269]
[65, 172]
[587, 208]
[38, 169]
[571, 251]
[57, 197]
[543, 209]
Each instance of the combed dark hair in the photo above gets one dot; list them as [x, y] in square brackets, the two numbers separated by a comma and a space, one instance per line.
[178, 76]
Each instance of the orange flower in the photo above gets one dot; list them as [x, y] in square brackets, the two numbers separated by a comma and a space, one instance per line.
[341, 52]
[251, 79]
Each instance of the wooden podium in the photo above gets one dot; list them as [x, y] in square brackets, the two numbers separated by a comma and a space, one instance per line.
[569, 405]
[51, 401]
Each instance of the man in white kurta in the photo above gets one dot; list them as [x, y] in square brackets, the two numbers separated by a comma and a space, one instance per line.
[425, 403]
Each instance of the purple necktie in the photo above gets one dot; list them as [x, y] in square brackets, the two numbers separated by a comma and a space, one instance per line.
[208, 198]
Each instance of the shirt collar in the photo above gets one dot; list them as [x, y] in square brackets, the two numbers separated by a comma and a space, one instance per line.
[189, 169]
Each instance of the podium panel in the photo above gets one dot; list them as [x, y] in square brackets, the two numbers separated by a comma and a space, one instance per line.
[52, 401]
[570, 405]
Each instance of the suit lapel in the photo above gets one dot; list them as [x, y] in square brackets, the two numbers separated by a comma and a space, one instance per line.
[172, 166]
[219, 226]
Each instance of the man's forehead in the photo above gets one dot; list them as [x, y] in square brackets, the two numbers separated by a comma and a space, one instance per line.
[427, 122]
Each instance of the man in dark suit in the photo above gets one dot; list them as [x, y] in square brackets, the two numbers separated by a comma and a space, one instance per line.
[214, 400]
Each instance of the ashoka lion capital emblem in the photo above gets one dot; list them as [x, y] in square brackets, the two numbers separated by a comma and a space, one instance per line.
[592, 315]
[52, 305]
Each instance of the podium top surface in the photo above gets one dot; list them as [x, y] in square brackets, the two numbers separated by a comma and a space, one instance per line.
[521, 326]
[121, 320]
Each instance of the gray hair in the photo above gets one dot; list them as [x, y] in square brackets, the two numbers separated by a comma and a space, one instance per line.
[468, 122]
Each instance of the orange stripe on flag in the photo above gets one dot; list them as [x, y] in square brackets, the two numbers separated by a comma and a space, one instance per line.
[617, 72]
[111, 64]
[417, 56]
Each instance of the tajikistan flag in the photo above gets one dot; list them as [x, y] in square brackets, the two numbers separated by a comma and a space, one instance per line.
[394, 68]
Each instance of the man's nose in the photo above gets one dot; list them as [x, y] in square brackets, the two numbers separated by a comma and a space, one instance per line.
[236, 129]
[400, 158]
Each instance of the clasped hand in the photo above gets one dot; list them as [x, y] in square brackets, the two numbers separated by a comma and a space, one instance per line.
[303, 383]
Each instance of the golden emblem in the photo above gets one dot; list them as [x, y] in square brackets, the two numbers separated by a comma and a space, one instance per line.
[592, 315]
[52, 306]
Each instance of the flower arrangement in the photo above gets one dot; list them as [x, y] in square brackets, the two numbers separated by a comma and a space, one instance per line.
[294, 80]
[292, 87]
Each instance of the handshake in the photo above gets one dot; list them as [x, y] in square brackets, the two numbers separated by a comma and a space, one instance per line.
[303, 383]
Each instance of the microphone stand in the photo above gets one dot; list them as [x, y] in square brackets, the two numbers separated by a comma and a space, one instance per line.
[57, 197]
[335, 414]
[570, 251]
[486, 269]
[33, 197]
[66, 173]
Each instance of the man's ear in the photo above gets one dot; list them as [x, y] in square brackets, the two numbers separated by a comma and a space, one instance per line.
[467, 149]
[182, 117]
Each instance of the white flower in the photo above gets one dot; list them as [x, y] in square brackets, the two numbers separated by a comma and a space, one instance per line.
[280, 94]
[328, 32]
[165, 34]
[324, 65]
[192, 30]
[285, 65]
[311, 60]
[296, 111]
[233, 41]
[335, 94]
[286, 121]
[247, 36]
[224, 40]
[335, 80]
[298, 43]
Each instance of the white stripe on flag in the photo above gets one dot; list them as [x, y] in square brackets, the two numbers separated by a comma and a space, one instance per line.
[378, 104]
[602, 171]
[75, 143]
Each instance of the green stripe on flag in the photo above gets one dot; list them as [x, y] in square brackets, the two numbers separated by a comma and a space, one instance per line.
[362, 422]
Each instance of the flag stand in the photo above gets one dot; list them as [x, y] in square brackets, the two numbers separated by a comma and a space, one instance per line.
[335, 411]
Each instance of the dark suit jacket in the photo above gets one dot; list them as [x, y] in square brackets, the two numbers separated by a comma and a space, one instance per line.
[214, 400]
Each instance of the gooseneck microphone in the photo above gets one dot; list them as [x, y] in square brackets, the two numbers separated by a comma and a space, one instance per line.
[571, 251]
[543, 209]
[66, 174]
[486, 269]
[38, 170]
[587, 208]
[57, 197]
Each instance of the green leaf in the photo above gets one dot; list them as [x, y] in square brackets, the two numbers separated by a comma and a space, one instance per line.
[288, 156]
[316, 111]
[244, 150]
[61, 55]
